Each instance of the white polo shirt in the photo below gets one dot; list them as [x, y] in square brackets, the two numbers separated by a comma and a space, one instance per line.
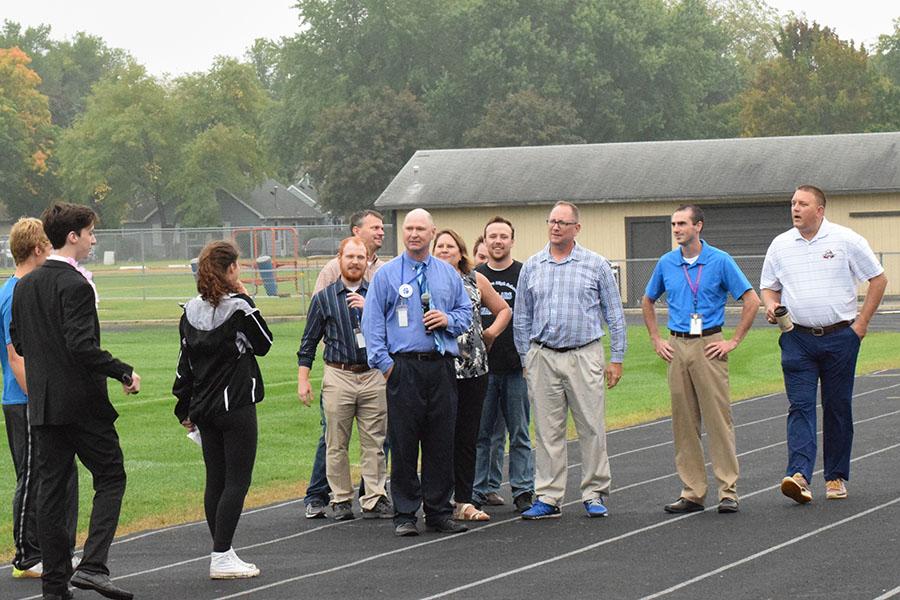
[818, 278]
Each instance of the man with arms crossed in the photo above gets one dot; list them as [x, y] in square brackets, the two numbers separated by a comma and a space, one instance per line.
[506, 400]
[416, 307]
[813, 270]
[350, 388]
[30, 247]
[696, 279]
[56, 330]
[368, 225]
[565, 292]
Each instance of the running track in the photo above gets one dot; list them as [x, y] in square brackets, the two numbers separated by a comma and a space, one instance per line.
[773, 548]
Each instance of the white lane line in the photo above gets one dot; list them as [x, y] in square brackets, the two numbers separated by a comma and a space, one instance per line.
[623, 536]
[889, 594]
[769, 550]
[516, 519]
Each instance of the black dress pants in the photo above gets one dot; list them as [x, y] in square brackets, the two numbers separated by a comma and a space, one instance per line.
[421, 398]
[468, 421]
[96, 444]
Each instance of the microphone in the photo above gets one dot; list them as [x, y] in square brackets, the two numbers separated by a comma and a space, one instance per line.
[426, 301]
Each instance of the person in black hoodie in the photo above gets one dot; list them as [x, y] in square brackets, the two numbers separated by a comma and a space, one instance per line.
[218, 384]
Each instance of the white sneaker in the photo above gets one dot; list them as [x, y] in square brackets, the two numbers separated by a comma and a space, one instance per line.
[227, 565]
[33, 572]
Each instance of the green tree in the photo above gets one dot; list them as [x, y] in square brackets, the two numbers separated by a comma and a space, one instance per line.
[67, 69]
[222, 114]
[25, 135]
[525, 119]
[361, 145]
[887, 54]
[818, 84]
[123, 149]
[70, 68]
[170, 144]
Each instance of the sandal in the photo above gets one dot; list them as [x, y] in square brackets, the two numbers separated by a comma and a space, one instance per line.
[467, 512]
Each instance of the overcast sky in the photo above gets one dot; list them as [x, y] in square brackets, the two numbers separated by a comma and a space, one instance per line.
[183, 36]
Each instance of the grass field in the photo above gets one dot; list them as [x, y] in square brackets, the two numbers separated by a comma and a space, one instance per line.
[165, 470]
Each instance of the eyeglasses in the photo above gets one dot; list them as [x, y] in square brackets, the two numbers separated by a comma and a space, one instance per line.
[558, 223]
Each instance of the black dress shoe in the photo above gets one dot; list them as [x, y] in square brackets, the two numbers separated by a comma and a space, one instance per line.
[406, 529]
[683, 505]
[67, 596]
[728, 505]
[447, 526]
[100, 583]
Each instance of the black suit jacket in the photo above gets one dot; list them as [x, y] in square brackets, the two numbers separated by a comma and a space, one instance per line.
[56, 330]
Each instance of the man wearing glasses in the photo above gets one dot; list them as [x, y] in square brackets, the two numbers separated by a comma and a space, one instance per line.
[565, 293]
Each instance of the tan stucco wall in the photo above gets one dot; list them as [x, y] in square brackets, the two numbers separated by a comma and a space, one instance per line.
[603, 225]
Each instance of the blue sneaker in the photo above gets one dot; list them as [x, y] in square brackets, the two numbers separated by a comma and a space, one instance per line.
[595, 508]
[541, 510]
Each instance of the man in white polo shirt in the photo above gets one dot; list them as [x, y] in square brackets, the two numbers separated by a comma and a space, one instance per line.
[814, 270]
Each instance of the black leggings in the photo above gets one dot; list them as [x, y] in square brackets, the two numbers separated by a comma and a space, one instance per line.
[468, 420]
[229, 451]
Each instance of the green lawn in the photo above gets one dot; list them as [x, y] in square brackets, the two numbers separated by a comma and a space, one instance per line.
[165, 470]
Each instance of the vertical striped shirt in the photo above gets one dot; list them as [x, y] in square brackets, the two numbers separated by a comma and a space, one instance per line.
[330, 317]
[818, 278]
[563, 304]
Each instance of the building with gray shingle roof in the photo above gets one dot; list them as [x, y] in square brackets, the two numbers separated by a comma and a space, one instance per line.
[628, 191]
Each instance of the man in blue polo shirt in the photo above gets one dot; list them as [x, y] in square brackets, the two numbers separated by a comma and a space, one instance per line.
[416, 307]
[697, 279]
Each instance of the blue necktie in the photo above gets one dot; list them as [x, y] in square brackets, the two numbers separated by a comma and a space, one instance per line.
[423, 288]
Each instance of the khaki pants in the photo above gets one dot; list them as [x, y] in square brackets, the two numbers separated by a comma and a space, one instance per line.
[557, 382]
[699, 389]
[346, 395]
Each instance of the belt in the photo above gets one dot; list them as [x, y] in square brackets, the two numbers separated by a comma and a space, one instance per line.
[569, 349]
[704, 333]
[820, 331]
[430, 356]
[352, 367]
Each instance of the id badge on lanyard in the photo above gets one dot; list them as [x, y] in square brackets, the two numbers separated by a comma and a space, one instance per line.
[405, 292]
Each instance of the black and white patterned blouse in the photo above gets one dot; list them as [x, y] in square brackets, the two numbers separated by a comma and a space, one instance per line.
[472, 360]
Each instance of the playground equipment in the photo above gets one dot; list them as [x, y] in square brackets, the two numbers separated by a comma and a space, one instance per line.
[274, 257]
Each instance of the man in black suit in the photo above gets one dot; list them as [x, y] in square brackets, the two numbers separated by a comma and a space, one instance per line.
[56, 330]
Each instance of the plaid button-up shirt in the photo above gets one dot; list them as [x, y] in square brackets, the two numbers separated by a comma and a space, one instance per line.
[563, 304]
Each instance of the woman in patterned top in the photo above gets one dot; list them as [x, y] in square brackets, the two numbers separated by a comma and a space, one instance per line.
[471, 368]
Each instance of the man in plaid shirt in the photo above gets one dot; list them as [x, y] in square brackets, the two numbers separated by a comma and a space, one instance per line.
[565, 293]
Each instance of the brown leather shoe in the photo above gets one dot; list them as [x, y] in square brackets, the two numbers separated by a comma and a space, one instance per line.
[494, 499]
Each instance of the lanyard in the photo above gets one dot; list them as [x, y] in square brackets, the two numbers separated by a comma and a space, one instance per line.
[694, 285]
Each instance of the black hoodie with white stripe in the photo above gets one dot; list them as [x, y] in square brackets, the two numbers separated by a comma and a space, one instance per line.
[217, 368]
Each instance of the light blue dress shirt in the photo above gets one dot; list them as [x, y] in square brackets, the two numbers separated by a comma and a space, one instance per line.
[380, 323]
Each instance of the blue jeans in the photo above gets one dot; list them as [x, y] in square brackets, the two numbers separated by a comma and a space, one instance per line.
[507, 396]
[318, 489]
[807, 360]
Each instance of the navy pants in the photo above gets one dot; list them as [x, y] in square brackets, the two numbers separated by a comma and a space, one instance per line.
[808, 361]
[421, 399]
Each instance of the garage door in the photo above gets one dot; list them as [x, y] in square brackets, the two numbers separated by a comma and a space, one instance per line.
[745, 231]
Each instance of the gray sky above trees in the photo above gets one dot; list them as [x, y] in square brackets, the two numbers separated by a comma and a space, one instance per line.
[176, 37]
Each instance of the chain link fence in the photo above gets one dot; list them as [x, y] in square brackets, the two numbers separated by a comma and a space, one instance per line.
[150, 264]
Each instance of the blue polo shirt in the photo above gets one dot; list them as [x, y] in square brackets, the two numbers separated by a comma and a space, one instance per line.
[719, 277]
[380, 324]
[12, 393]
